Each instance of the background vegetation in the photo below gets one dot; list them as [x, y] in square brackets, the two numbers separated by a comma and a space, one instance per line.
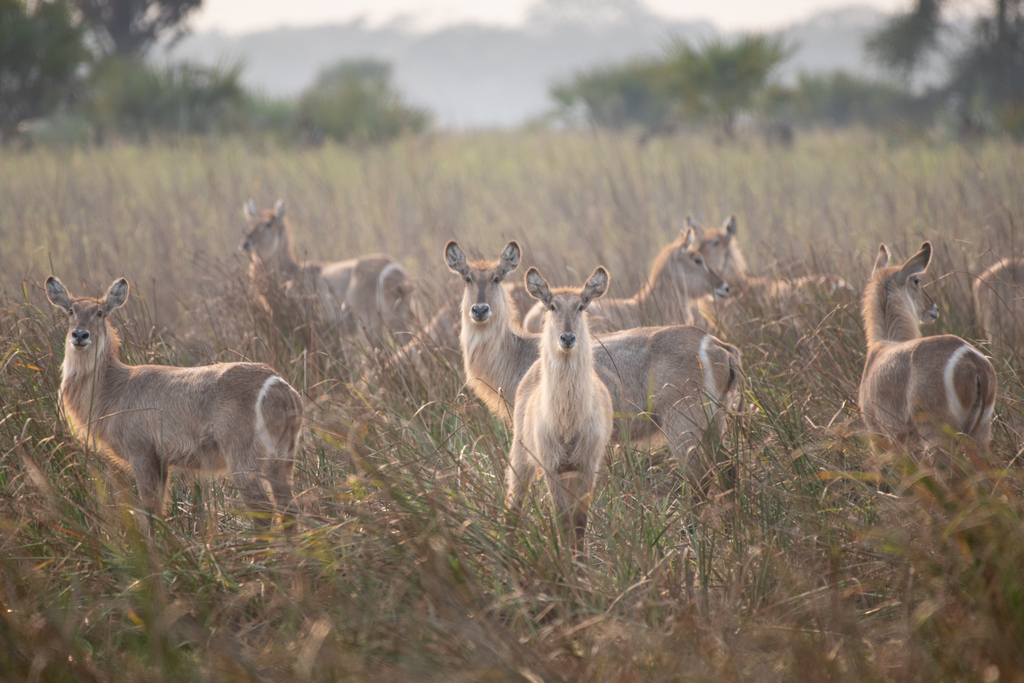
[827, 562]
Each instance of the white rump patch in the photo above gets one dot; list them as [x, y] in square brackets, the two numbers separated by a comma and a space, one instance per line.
[387, 270]
[261, 426]
[955, 408]
[705, 363]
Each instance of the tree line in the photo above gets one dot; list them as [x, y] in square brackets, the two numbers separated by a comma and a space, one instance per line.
[77, 70]
[719, 81]
[79, 67]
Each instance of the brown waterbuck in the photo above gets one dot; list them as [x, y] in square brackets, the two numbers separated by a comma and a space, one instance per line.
[721, 250]
[671, 382]
[239, 417]
[679, 277]
[916, 388]
[563, 413]
[370, 294]
[999, 302]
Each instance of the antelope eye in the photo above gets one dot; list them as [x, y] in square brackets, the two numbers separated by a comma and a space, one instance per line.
[468, 279]
[916, 281]
[698, 260]
[580, 308]
[99, 314]
[497, 279]
[552, 308]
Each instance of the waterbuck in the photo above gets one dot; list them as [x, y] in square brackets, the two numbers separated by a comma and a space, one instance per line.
[672, 382]
[721, 251]
[563, 414]
[915, 388]
[370, 294]
[680, 276]
[999, 302]
[239, 417]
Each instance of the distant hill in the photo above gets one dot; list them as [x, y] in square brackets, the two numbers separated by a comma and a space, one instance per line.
[481, 76]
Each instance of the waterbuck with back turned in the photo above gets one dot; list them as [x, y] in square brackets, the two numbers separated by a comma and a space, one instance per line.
[563, 414]
[239, 417]
[915, 388]
[370, 294]
[999, 302]
[679, 277]
[672, 382]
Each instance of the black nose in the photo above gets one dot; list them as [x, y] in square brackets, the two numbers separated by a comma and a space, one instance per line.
[480, 311]
[79, 336]
[567, 339]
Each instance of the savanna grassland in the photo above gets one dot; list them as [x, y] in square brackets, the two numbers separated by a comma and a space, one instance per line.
[827, 562]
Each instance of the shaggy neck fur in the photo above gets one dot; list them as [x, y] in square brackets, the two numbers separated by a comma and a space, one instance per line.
[90, 378]
[491, 350]
[662, 293]
[565, 385]
[281, 263]
[888, 314]
[734, 267]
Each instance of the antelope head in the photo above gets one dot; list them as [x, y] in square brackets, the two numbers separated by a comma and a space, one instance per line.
[484, 296]
[268, 232]
[87, 317]
[565, 326]
[902, 284]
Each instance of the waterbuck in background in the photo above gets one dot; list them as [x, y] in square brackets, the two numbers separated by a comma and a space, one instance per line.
[914, 389]
[239, 417]
[672, 382]
[721, 250]
[563, 414]
[679, 277]
[999, 301]
[370, 294]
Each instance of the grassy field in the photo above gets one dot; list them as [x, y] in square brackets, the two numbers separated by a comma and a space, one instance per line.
[827, 563]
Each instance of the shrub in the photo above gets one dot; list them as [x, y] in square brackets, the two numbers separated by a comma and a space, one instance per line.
[354, 102]
[139, 100]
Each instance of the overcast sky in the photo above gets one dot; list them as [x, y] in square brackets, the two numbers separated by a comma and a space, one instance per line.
[245, 16]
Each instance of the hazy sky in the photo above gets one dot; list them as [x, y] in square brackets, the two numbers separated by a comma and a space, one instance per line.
[244, 16]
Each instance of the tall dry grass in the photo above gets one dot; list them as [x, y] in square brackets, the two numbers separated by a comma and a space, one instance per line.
[827, 563]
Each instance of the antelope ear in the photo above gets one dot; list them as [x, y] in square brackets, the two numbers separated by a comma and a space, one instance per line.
[455, 259]
[509, 260]
[596, 286]
[249, 209]
[730, 226]
[695, 226]
[279, 209]
[688, 237]
[116, 295]
[57, 294]
[883, 258]
[537, 286]
[918, 262]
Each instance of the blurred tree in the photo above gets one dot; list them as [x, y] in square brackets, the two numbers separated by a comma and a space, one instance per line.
[130, 27]
[721, 78]
[40, 52]
[354, 102]
[618, 96]
[986, 78]
[138, 99]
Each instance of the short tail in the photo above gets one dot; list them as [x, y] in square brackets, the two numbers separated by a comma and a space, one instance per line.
[980, 416]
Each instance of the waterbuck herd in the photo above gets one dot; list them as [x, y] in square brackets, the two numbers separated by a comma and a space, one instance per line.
[568, 369]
